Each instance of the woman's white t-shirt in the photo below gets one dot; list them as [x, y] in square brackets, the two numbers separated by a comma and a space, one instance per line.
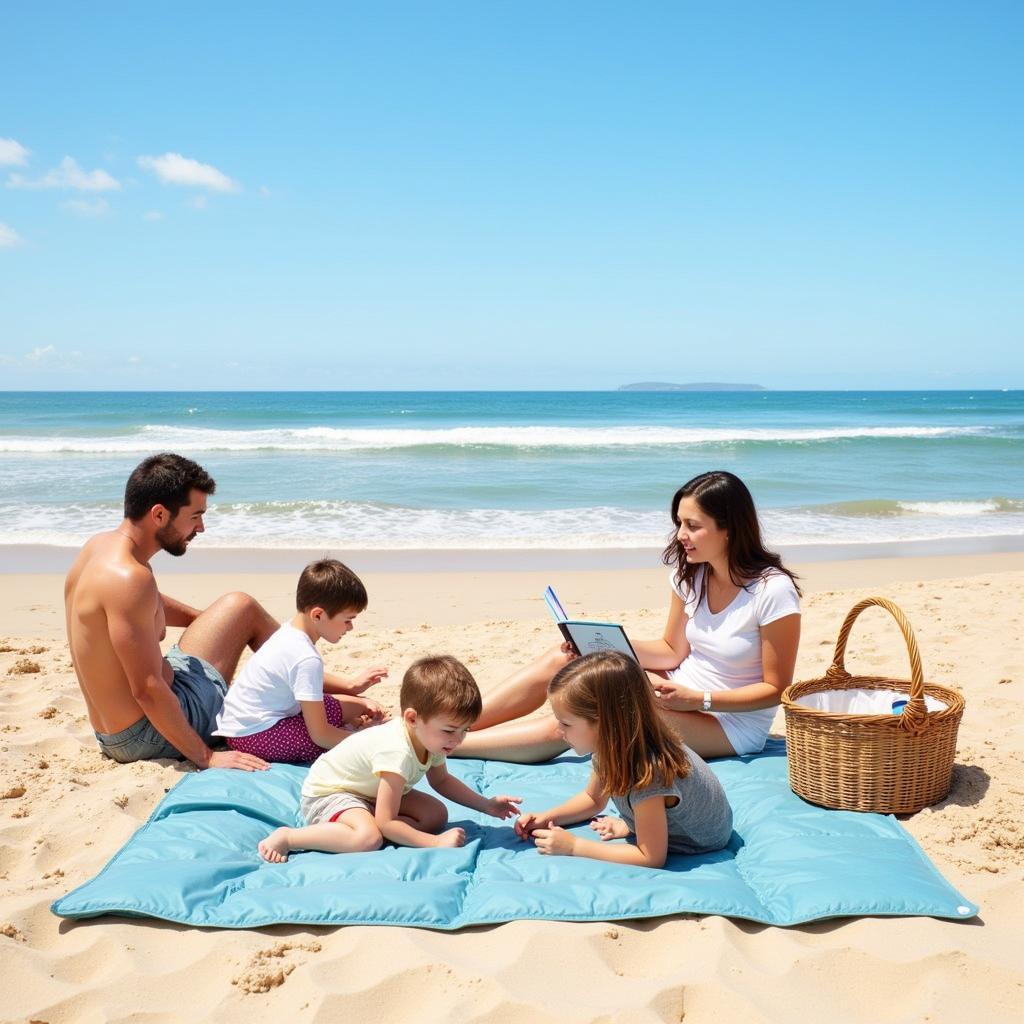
[725, 647]
[286, 669]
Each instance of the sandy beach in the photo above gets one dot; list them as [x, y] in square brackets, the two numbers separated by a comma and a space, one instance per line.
[65, 810]
[481, 299]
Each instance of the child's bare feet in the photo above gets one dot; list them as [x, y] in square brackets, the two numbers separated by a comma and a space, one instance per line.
[275, 847]
[453, 837]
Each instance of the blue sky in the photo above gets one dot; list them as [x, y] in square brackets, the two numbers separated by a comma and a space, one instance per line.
[511, 195]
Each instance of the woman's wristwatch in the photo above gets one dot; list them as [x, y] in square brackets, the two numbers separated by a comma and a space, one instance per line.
[707, 701]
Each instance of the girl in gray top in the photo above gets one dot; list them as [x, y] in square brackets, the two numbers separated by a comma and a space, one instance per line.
[667, 796]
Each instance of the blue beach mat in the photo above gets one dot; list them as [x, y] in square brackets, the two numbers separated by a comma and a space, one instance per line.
[195, 862]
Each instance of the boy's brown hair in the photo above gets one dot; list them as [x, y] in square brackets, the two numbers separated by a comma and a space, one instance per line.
[441, 684]
[635, 749]
[330, 585]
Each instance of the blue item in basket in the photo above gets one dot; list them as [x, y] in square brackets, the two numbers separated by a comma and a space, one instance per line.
[898, 706]
[787, 862]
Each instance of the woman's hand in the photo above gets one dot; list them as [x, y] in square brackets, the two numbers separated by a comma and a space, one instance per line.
[673, 697]
[610, 828]
[554, 841]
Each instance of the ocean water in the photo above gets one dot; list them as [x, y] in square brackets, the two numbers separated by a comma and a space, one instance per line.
[397, 470]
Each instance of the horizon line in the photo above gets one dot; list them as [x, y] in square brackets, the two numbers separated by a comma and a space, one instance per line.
[435, 391]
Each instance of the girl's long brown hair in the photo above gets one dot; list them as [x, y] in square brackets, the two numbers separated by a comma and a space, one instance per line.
[634, 748]
[725, 498]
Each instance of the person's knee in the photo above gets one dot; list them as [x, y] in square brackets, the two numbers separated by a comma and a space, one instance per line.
[236, 603]
[552, 661]
[243, 607]
[554, 657]
[433, 816]
[366, 840]
[242, 601]
[551, 730]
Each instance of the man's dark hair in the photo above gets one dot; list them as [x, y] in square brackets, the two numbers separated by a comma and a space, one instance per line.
[166, 480]
[330, 585]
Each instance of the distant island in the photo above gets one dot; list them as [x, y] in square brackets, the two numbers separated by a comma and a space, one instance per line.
[649, 385]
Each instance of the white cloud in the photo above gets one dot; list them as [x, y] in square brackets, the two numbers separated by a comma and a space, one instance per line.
[175, 169]
[9, 238]
[86, 208]
[135, 359]
[153, 215]
[68, 175]
[50, 359]
[12, 153]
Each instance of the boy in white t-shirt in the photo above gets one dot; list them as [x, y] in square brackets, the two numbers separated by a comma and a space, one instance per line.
[360, 793]
[283, 707]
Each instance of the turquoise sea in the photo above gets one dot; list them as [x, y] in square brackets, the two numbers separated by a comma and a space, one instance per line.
[395, 470]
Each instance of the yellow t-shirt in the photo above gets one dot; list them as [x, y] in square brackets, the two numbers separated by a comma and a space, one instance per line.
[355, 764]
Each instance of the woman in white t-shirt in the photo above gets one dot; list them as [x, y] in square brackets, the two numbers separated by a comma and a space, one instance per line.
[728, 650]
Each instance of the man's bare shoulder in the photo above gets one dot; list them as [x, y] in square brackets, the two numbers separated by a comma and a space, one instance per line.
[108, 570]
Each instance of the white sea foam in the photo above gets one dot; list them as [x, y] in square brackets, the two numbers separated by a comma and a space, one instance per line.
[358, 525]
[369, 526]
[949, 509]
[156, 437]
[928, 521]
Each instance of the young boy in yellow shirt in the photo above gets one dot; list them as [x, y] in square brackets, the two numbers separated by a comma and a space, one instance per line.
[360, 793]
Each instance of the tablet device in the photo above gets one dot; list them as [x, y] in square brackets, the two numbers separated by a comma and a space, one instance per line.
[588, 637]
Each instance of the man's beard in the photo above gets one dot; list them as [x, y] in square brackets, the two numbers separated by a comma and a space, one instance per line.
[171, 541]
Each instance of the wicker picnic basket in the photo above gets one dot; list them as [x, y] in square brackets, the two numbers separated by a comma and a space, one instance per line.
[885, 762]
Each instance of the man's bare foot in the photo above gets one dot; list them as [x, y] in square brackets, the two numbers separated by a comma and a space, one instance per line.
[275, 848]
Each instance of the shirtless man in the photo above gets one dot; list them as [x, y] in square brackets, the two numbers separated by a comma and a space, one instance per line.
[141, 704]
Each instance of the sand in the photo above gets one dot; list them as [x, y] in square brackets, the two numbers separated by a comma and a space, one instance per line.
[65, 810]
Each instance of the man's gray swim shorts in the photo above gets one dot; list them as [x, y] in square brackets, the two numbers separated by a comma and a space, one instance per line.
[200, 690]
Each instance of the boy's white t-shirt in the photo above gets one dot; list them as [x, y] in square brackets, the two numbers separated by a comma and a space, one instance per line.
[725, 648]
[354, 766]
[286, 669]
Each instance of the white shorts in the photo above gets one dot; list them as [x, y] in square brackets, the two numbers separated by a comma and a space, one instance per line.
[743, 734]
[318, 809]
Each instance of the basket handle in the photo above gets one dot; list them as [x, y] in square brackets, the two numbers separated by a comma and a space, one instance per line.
[915, 715]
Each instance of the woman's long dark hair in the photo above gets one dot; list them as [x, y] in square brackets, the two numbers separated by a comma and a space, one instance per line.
[725, 498]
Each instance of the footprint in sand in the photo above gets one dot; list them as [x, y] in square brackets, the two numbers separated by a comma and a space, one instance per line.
[269, 968]
[24, 666]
